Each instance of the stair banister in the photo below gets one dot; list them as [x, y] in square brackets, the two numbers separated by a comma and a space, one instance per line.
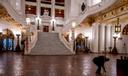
[65, 42]
[32, 39]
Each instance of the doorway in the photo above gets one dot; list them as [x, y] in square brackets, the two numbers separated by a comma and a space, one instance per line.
[45, 28]
[6, 40]
[80, 43]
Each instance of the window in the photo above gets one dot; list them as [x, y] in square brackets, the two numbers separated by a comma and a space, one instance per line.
[93, 2]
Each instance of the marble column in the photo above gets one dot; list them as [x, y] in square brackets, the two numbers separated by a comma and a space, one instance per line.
[95, 37]
[99, 33]
[38, 13]
[23, 7]
[53, 15]
[53, 9]
[67, 9]
[105, 38]
[38, 8]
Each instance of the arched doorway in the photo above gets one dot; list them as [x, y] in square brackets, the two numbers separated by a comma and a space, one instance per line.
[7, 40]
[80, 43]
[125, 39]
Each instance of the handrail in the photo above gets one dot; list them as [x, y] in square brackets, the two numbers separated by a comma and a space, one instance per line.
[33, 39]
[65, 42]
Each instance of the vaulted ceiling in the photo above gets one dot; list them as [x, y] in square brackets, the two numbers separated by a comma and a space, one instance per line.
[6, 17]
[110, 10]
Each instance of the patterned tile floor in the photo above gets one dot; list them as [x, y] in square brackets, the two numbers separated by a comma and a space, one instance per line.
[16, 64]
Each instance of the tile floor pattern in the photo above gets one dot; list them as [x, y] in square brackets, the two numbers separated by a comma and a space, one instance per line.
[14, 64]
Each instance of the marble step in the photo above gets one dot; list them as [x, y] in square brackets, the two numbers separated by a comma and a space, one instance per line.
[49, 44]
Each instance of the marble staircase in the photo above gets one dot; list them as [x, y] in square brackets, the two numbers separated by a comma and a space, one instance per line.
[49, 44]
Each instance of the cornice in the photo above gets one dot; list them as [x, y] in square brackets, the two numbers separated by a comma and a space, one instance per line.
[44, 5]
[6, 17]
[119, 9]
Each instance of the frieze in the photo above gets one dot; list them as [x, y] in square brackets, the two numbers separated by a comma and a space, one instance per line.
[113, 13]
[116, 12]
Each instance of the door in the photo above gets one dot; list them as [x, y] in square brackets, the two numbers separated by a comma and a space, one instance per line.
[46, 29]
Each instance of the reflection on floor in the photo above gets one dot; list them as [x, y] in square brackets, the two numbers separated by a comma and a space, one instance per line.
[15, 64]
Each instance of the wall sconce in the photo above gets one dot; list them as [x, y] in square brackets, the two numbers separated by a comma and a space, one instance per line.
[117, 27]
[73, 24]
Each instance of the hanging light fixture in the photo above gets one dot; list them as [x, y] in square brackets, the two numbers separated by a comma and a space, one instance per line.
[117, 27]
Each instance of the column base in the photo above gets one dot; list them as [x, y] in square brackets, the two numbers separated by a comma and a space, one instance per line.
[87, 50]
[18, 48]
[114, 51]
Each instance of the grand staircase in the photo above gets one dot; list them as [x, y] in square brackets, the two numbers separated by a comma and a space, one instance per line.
[49, 44]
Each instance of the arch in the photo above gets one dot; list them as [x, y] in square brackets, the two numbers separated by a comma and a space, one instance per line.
[125, 30]
[7, 40]
[8, 33]
[80, 43]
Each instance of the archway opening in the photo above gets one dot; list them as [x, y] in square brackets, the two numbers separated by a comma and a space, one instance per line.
[80, 43]
[6, 40]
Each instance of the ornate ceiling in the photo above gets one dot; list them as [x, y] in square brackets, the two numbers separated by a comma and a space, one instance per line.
[116, 10]
[6, 17]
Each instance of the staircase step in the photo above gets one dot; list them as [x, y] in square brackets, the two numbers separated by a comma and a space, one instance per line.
[49, 44]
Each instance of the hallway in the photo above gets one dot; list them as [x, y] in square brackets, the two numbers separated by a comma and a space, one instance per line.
[15, 64]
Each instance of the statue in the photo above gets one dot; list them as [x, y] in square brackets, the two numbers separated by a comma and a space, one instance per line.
[46, 12]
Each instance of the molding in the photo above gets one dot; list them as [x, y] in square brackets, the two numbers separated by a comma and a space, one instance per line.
[44, 5]
[89, 11]
[112, 13]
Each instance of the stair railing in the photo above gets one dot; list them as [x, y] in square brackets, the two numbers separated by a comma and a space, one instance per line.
[31, 39]
[65, 42]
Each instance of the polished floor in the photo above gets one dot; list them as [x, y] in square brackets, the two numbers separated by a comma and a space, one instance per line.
[16, 64]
